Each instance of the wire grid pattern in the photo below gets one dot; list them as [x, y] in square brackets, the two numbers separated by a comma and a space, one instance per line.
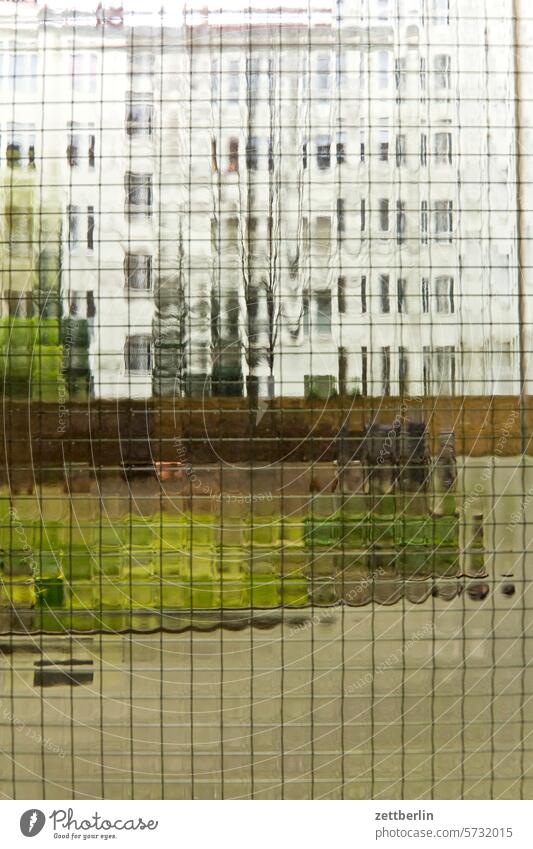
[285, 252]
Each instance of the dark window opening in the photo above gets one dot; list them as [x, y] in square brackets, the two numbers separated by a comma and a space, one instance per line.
[385, 371]
[364, 370]
[340, 216]
[323, 155]
[90, 228]
[384, 292]
[341, 295]
[252, 154]
[138, 353]
[233, 155]
[401, 292]
[363, 293]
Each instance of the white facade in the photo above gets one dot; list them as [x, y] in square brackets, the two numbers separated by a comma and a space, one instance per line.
[323, 197]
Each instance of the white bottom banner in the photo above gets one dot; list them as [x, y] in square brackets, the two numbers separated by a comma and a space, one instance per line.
[228, 825]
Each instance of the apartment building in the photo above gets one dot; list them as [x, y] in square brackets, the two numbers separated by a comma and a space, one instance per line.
[307, 202]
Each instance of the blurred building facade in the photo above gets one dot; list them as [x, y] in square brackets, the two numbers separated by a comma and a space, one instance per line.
[315, 202]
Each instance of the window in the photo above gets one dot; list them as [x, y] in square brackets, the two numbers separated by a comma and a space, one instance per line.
[422, 76]
[83, 72]
[73, 215]
[138, 353]
[341, 147]
[323, 312]
[141, 68]
[138, 271]
[401, 291]
[232, 234]
[343, 370]
[341, 295]
[80, 143]
[91, 150]
[90, 228]
[426, 369]
[233, 155]
[363, 215]
[270, 156]
[363, 293]
[445, 370]
[401, 157]
[425, 294]
[385, 371]
[362, 137]
[401, 221]
[383, 69]
[424, 222]
[252, 77]
[90, 305]
[233, 81]
[383, 10]
[444, 295]
[443, 148]
[340, 69]
[403, 371]
[441, 12]
[442, 68]
[423, 149]
[384, 292]
[340, 217]
[20, 148]
[384, 144]
[139, 114]
[22, 71]
[444, 220]
[138, 193]
[251, 232]
[270, 75]
[323, 155]
[214, 158]
[323, 232]
[76, 303]
[364, 370]
[322, 75]
[399, 72]
[304, 155]
[73, 149]
[252, 157]
[384, 215]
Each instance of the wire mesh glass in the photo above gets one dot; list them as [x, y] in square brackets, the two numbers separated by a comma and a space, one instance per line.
[265, 333]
